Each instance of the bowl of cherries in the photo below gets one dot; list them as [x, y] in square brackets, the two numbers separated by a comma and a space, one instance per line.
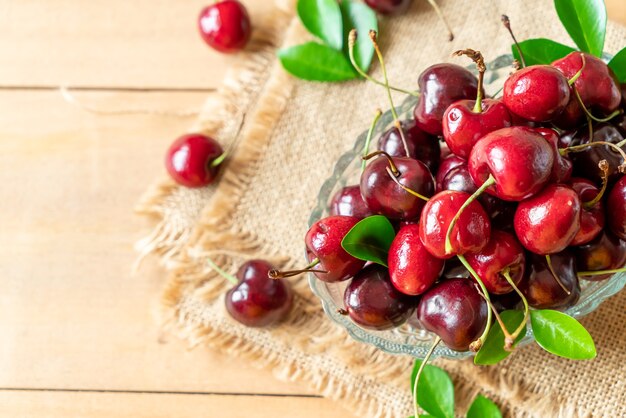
[501, 190]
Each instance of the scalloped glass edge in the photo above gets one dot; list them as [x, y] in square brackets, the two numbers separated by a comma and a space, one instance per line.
[593, 293]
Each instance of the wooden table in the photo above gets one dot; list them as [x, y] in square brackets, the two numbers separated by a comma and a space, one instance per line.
[77, 333]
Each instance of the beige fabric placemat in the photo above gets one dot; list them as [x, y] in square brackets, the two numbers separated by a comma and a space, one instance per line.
[293, 133]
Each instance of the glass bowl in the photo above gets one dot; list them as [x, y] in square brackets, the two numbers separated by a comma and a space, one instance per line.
[409, 339]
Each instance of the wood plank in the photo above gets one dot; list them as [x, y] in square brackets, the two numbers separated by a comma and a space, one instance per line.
[132, 405]
[71, 314]
[143, 43]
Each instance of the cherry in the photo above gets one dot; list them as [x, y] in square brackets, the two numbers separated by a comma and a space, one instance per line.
[386, 7]
[505, 302]
[545, 291]
[591, 217]
[596, 85]
[463, 126]
[422, 147]
[440, 86]
[193, 160]
[225, 26]
[538, 93]
[372, 302]
[616, 207]
[606, 252]
[349, 202]
[470, 233]
[519, 159]
[257, 300]
[413, 270]
[562, 168]
[502, 255]
[323, 243]
[455, 311]
[547, 222]
[385, 181]
[446, 165]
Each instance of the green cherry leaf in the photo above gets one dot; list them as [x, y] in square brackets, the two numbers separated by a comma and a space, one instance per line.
[562, 335]
[618, 65]
[585, 21]
[362, 18]
[370, 239]
[316, 62]
[541, 51]
[493, 351]
[435, 392]
[483, 407]
[323, 19]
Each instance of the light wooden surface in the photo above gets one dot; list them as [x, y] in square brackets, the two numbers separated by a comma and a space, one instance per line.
[77, 333]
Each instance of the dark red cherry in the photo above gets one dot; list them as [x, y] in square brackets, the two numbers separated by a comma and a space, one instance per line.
[384, 196]
[257, 300]
[446, 165]
[519, 159]
[387, 7]
[349, 202]
[455, 311]
[372, 301]
[412, 269]
[462, 127]
[538, 93]
[597, 85]
[562, 168]
[606, 252]
[547, 222]
[506, 301]
[323, 242]
[422, 147]
[591, 218]
[441, 85]
[616, 208]
[470, 233]
[225, 26]
[189, 158]
[541, 288]
[502, 253]
[586, 162]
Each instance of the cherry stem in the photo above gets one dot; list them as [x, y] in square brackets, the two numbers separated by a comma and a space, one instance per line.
[507, 24]
[588, 113]
[406, 189]
[275, 274]
[351, 43]
[478, 58]
[572, 80]
[621, 143]
[369, 136]
[393, 108]
[583, 147]
[508, 343]
[599, 272]
[219, 160]
[392, 166]
[556, 277]
[476, 345]
[221, 272]
[419, 373]
[441, 16]
[603, 165]
[489, 182]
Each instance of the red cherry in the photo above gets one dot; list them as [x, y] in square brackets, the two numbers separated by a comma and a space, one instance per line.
[463, 127]
[519, 159]
[441, 85]
[257, 300]
[225, 26]
[562, 168]
[189, 158]
[502, 252]
[447, 164]
[591, 218]
[606, 252]
[538, 93]
[422, 147]
[349, 202]
[547, 222]
[387, 7]
[412, 269]
[616, 207]
[470, 233]
[323, 242]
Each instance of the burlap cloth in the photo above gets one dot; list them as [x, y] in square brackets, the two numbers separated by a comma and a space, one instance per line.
[292, 134]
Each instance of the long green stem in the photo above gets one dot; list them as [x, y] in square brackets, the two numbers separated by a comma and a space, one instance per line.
[599, 272]
[572, 80]
[369, 136]
[406, 189]
[221, 272]
[489, 182]
[275, 274]
[219, 160]
[507, 24]
[435, 6]
[588, 113]
[603, 165]
[584, 147]
[419, 373]
[478, 59]
[556, 277]
[475, 346]
[508, 343]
